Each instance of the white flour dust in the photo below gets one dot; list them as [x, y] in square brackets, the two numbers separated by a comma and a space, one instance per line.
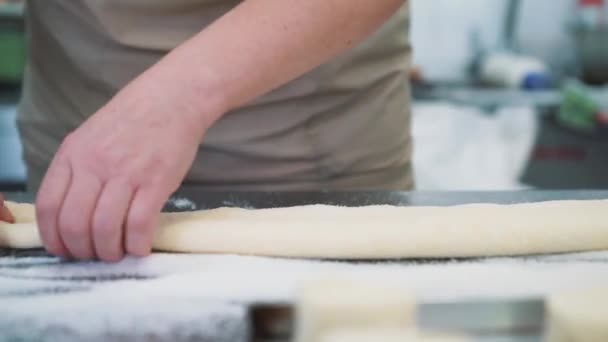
[249, 279]
[182, 203]
[125, 317]
[208, 293]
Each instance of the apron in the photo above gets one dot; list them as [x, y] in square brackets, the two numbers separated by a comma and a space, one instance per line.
[343, 126]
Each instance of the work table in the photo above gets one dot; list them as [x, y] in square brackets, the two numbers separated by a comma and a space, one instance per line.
[213, 297]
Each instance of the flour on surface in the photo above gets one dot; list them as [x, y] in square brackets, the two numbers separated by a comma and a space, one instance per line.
[182, 203]
[178, 290]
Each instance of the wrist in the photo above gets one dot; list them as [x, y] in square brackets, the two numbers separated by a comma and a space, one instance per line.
[192, 91]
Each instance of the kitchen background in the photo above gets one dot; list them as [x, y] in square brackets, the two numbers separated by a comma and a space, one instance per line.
[507, 94]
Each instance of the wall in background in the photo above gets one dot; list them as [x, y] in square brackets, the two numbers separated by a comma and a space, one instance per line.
[443, 30]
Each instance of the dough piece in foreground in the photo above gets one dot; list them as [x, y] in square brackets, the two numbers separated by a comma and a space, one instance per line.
[24, 232]
[578, 317]
[334, 306]
[372, 232]
[368, 335]
[386, 335]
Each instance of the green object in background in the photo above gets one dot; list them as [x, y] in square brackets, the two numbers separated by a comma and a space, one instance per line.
[578, 109]
[12, 56]
[12, 43]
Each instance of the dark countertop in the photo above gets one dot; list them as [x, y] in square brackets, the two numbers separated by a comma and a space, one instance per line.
[207, 199]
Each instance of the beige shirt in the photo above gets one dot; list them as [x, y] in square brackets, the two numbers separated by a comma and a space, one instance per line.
[344, 125]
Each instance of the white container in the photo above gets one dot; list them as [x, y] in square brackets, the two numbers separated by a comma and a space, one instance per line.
[510, 70]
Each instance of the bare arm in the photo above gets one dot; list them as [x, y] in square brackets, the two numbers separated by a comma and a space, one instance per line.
[109, 180]
[262, 44]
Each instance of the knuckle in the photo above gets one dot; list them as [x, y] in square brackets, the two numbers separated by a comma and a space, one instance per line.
[157, 165]
[128, 181]
[106, 161]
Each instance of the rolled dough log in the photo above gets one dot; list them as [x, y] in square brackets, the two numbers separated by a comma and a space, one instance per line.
[373, 232]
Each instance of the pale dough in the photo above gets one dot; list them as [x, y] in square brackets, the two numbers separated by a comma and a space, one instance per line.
[338, 309]
[368, 232]
[578, 317]
[368, 335]
[331, 307]
[386, 335]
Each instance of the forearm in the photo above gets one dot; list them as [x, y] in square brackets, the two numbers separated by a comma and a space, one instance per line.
[262, 44]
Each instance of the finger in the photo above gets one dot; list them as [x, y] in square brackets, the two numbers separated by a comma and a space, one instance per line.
[5, 214]
[141, 220]
[48, 206]
[109, 219]
[76, 215]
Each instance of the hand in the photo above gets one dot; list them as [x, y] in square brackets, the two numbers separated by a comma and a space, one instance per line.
[111, 177]
[5, 215]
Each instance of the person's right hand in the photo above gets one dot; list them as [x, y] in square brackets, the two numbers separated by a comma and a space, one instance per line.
[5, 215]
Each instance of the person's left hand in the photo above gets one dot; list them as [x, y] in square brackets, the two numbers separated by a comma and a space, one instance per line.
[111, 177]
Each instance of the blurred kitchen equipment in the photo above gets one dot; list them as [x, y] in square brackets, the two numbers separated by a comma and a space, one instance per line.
[592, 52]
[563, 159]
[571, 147]
[510, 25]
[511, 70]
[590, 32]
[504, 66]
[584, 109]
[590, 13]
[12, 43]
[572, 143]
